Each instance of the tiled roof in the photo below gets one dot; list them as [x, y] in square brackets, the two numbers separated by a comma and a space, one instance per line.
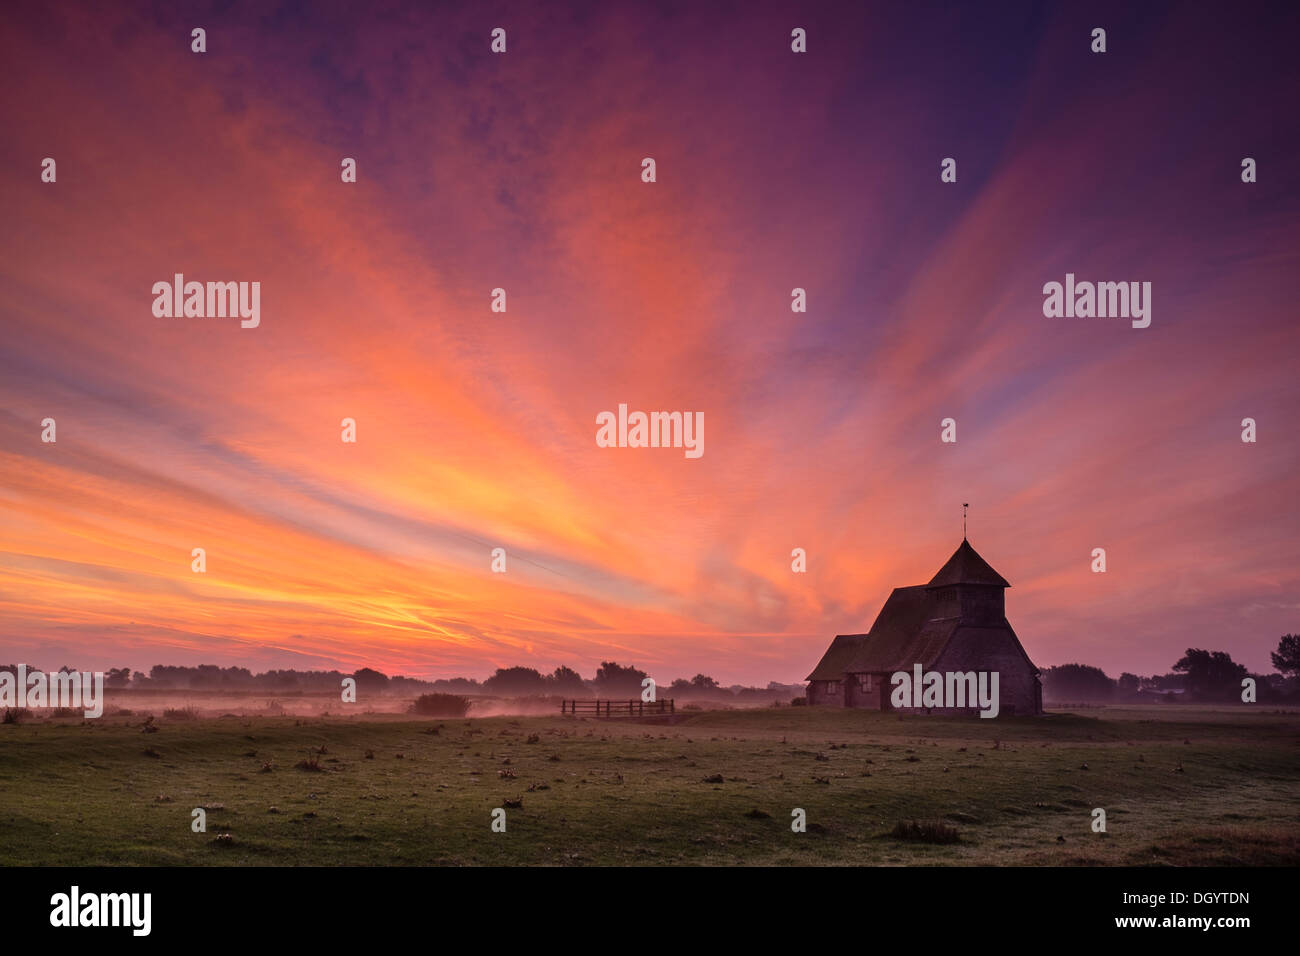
[967, 567]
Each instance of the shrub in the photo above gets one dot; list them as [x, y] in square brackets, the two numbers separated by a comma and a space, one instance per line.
[440, 705]
[180, 713]
[925, 831]
[16, 715]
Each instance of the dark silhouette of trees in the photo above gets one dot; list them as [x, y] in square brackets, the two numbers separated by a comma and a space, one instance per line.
[1211, 675]
[369, 679]
[1286, 659]
[515, 680]
[1077, 682]
[615, 679]
[565, 680]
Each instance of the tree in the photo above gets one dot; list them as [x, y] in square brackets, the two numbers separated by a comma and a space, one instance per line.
[1286, 659]
[1211, 675]
[566, 680]
[205, 675]
[1077, 682]
[701, 682]
[161, 675]
[117, 677]
[613, 678]
[515, 680]
[369, 679]
[1129, 683]
[1164, 682]
[458, 684]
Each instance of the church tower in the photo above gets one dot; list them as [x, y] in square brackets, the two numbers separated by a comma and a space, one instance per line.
[966, 587]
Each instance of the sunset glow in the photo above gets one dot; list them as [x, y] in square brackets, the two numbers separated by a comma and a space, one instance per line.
[476, 429]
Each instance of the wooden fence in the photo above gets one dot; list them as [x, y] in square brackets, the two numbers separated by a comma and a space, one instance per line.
[616, 708]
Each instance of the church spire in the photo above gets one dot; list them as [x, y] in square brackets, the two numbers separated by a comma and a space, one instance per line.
[967, 567]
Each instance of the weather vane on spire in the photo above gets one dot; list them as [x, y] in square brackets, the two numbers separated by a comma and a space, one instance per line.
[964, 506]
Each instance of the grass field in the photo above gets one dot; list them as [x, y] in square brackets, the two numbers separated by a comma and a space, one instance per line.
[1180, 785]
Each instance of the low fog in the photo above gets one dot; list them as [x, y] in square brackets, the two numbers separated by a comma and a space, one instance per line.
[192, 704]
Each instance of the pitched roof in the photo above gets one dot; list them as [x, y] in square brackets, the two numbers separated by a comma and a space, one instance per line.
[967, 567]
[902, 635]
[972, 635]
[841, 651]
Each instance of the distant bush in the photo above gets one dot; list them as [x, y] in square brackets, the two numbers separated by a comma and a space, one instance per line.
[515, 680]
[180, 713]
[440, 705]
[16, 715]
[799, 702]
[925, 831]
[615, 680]
[311, 762]
[1076, 682]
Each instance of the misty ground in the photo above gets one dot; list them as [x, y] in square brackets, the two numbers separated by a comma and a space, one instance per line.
[1181, 785]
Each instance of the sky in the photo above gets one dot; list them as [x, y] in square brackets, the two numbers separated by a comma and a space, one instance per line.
[476, 429]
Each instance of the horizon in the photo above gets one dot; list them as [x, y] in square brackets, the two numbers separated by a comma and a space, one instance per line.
[478, 429]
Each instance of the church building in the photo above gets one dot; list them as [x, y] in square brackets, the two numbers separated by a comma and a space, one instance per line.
[955, 623]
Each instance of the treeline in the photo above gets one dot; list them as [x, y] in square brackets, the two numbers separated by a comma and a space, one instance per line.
[611, 680]
[1199, 675]
[615, 680]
